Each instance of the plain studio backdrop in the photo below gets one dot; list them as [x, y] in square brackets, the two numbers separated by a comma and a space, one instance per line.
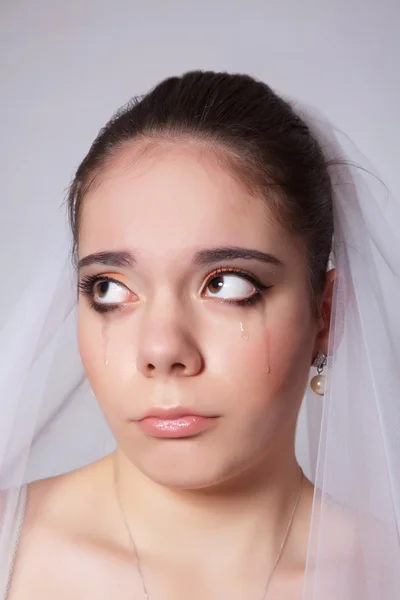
[67, 65]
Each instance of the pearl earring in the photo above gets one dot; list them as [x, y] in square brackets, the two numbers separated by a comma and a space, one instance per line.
[317, 383]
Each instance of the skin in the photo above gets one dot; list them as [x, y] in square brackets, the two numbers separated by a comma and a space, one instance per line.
[208, 512]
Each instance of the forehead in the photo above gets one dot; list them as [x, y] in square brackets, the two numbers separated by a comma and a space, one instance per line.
[169, 199]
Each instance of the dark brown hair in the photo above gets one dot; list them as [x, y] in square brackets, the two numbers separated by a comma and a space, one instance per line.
[269, 148]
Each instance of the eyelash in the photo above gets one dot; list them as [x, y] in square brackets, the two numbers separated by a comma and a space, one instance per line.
[85, 287]
[259, 287]
[87, 283]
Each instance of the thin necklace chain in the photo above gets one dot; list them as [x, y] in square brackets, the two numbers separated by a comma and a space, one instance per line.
[136, 554]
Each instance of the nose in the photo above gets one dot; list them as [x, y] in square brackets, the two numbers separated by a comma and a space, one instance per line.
[168, 349]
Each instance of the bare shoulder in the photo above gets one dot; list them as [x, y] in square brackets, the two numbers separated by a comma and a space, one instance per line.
[62, 499]
[67, 535]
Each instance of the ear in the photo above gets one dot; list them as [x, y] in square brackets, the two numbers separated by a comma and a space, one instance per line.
[322, 336]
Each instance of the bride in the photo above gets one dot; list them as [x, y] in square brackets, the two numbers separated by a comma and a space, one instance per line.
[210, 318]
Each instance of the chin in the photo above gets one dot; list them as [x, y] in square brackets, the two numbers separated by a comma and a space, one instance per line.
[184, 465]
[183, 481]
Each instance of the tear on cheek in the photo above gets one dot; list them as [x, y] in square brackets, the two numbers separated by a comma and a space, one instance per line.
[245, 335]
[267, 345]
[112, 353]
[259, 341]
[261, 354]
[106, 341]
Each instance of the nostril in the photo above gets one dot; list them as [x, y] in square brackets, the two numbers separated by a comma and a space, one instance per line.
[178, 367]
[150, 367]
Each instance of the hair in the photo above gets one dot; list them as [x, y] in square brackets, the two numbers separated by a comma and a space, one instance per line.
[252, 129]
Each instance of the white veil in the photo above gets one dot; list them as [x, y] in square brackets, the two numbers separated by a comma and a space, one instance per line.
[354, 451]
[348, 442]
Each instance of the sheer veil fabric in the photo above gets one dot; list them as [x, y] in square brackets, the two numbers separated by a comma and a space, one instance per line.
[348, 442]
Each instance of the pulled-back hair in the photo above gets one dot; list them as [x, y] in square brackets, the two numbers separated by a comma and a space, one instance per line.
[267, 146]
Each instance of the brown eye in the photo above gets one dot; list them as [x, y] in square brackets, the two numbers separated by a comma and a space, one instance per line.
[110, 292]
[101, 288]
[230, 286]
[216, 284]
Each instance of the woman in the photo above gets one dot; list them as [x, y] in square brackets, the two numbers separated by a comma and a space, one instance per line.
[203, 220]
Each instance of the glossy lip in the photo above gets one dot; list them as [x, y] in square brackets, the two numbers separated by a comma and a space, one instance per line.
[177, 422]
[173, 412]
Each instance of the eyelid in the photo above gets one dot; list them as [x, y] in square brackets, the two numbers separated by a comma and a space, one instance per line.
[123, 280]
[118, 277]
[114, 277]
[86, 285]
[235, 270]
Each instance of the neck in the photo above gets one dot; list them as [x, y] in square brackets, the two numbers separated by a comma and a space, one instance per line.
[238, 518]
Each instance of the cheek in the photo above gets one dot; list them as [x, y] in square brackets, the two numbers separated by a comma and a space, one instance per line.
[105, 351]
[249, 359]
[271, 365]
[91, 347]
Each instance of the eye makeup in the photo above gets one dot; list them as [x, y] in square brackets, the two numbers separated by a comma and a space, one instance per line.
[87, 287]
[257, 295]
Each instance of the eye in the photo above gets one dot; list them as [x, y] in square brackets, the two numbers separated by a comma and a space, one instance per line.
[110, 292]
[105, 293]
[231, 286]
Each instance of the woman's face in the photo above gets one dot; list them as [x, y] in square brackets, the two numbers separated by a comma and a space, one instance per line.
[195, 305]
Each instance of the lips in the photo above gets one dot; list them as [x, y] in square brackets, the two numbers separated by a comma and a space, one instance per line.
[176, 422]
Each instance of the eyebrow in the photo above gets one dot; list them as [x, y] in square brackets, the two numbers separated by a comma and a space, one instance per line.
[204, 257]
[120, 258]
[212, 255]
